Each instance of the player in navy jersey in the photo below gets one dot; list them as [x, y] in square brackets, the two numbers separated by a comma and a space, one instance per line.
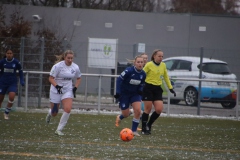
[9, 79]
[129, 89]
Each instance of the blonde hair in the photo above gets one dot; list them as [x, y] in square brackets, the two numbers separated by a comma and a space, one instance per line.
[143, 54]
[63, 55]
[131, 61]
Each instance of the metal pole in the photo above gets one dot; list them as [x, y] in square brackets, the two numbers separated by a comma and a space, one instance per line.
[237, 99]
[26, 92]
[200, 82]
[116, 68]
[99, 93]
[21, 60]
[168, 104]
[41, 69]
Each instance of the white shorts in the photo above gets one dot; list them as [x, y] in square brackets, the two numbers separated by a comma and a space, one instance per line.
[57, 98]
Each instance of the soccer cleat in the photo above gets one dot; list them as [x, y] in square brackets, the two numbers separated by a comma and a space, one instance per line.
[48, 118]
[148, 129]
[136, 134]
[59, 133]
[6, 116]
[144, 132]
[118, 120]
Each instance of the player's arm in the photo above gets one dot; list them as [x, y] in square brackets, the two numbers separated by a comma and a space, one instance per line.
[78, 81]
[140, 88]
[21, 76]
[52, 80]
[78, 75]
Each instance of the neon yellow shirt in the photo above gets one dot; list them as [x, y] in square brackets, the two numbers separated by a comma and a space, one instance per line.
[156, 73]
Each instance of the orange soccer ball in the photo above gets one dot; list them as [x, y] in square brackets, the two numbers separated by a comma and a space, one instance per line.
[126, 135]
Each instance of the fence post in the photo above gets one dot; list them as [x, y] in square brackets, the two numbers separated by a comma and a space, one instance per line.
[26, 92]
[237, 99]
[41, 69]
[99, 93]
[21, 60]
[200, 82]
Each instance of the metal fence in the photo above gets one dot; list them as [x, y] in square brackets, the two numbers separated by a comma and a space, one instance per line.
[28, 100]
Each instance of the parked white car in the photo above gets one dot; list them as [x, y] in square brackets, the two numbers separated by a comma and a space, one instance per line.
[216, 92]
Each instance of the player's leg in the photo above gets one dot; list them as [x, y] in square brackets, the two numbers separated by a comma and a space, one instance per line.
[142, 109]
[1, 99]
[124, 105]
[67, 107]
[55, 100]
[2, 93]
[145, 116]
[136, 117]
[12, 89]
[158, 106]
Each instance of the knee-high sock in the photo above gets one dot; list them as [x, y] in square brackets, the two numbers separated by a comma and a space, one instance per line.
[7, 110]
[144, 119]
[63, 121]
[135, 123]
[50, 112]
[153, 117]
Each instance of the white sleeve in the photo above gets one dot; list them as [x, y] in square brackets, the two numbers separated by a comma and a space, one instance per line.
[78, 72]
[54, 71]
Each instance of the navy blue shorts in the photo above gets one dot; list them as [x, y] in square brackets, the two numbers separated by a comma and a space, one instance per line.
[8, 88]
[126, 100]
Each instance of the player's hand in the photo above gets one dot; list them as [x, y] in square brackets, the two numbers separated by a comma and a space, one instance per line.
[117, 95]
[59, 89]
[74, 91]
[22, 83]
[173, 92]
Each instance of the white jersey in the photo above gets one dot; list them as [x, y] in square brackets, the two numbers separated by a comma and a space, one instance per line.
[64, 75]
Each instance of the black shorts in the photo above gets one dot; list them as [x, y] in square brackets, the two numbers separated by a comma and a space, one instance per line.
[152, 92]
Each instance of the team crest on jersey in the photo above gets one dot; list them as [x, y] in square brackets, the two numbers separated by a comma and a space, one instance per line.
[72, 71]
[141, 76]
[13, 65]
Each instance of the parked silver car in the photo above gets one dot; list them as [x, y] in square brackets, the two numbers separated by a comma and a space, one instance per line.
[216, 91]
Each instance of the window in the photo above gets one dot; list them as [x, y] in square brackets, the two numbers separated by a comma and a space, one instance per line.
[215, 68]
[184, 65]
[169, 64]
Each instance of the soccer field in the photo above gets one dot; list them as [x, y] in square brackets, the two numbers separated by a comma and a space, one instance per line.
[87, 136]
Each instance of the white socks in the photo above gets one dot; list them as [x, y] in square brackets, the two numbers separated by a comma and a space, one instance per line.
[50, 112]
[63, 121]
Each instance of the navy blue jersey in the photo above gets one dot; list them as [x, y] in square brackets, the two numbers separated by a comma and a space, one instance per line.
[130, 81]
[8, 73]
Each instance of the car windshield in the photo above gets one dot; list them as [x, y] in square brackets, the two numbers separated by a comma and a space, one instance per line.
[215, 68]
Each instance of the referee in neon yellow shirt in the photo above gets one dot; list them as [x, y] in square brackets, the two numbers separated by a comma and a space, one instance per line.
[156, 71]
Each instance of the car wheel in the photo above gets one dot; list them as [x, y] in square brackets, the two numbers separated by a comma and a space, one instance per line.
[174, 101]
[191, 97]
[228, 105]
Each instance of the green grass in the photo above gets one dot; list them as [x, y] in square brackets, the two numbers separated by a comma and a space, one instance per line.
[27, 136]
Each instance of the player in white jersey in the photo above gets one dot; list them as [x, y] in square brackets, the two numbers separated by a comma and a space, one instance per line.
[62, 89]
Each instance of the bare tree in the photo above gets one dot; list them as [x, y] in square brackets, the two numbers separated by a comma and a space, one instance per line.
[204, 6]
[179, 6]
[17, 28]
